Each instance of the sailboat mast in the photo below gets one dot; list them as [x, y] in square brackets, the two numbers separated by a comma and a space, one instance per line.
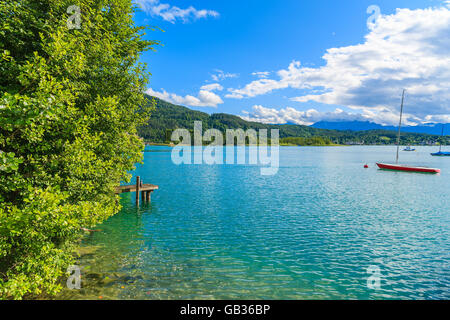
[399, 126]
[442, 139]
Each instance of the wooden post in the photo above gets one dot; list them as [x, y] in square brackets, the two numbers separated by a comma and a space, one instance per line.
[143, 196]
[138, 188]
[148, 196]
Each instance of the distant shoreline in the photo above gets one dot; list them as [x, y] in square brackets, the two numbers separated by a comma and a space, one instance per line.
[312, 145]
[294, 145]
[159, 144]
[281, 145]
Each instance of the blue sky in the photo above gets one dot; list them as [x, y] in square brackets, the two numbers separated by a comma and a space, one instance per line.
[264, 60]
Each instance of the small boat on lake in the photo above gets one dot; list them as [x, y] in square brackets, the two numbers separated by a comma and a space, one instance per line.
[441, 153]
[398, 167]
[408, 148]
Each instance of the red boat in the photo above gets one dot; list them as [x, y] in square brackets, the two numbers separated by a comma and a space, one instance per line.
[399, 167]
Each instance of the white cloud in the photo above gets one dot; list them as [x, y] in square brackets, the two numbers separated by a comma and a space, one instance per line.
[408, 49]
[205, 97]
[221, 75]
[291, 115]
[261, 74]
[212, 87]
[173, 13]
[440, 118]
[256, 88]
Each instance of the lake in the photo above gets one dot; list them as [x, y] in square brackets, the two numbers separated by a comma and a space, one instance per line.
[323, 227]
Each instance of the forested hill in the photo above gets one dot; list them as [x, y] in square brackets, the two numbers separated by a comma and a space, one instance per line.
[167, 117]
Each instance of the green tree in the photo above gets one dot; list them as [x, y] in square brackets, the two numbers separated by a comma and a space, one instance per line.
[69, 108]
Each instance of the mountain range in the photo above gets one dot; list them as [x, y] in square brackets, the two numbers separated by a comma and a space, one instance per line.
[366, 125]
[166, 117]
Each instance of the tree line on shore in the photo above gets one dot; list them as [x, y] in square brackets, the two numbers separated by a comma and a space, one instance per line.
[167, 117]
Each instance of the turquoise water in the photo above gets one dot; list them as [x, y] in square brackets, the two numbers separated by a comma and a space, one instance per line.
[309, 232]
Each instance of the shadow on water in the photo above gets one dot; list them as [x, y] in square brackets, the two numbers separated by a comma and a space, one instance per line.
[111, 258]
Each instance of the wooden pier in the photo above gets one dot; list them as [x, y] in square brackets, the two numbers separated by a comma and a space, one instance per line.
[145, 190]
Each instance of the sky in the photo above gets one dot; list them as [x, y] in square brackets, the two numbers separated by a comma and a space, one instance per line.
[302, 61]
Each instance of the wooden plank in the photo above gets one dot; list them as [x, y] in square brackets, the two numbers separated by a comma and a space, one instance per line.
[132, 188]
[144, 189]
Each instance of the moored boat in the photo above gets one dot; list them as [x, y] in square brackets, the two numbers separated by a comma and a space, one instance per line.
[399, 167]
[441, 153]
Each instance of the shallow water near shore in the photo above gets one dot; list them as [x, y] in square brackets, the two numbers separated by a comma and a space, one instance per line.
[309, 232]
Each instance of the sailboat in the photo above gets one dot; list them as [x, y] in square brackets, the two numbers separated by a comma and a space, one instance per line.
[399, 167]
[441, 153]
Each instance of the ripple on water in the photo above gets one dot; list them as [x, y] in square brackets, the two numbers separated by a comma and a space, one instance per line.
[309, 232]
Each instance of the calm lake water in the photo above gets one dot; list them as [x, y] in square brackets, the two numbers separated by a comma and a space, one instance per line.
[309, 232]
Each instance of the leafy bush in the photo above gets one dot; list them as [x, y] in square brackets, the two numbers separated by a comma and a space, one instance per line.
[68, 114]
